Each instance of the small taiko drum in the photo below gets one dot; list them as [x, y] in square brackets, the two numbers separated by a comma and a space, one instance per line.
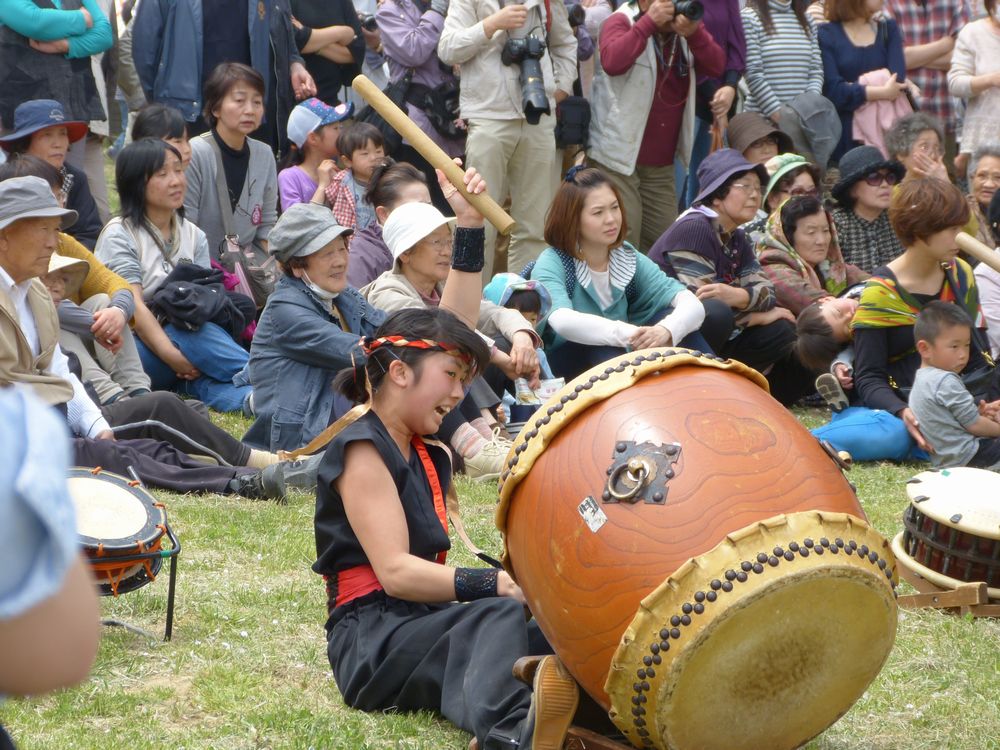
[117, 520]
[694, 556]
[951, 531]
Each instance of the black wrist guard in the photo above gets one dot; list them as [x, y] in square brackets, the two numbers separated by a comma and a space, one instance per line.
[475, 583]
[468, 252]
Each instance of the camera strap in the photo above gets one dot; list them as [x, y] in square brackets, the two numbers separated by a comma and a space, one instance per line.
[548, 18]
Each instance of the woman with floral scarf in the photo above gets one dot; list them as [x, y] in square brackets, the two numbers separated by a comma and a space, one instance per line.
[800, 255]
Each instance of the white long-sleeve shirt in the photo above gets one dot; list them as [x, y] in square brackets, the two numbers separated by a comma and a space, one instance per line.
[686, 316]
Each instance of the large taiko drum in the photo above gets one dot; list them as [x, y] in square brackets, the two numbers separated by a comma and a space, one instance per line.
[951, 529]
[694, 556]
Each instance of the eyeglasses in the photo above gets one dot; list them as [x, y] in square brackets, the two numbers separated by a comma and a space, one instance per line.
[749, 189]
[438, 245]
[984, 177]
[800, 192]
[877, 178]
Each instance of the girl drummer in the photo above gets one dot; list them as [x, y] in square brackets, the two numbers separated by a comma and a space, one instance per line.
[396, 635]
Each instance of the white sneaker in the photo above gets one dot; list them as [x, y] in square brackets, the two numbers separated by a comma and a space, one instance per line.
[487, 463]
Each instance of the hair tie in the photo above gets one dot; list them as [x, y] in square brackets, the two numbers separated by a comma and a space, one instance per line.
[573, 171]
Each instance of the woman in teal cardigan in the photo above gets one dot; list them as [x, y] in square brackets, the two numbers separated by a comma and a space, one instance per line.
[607, 298]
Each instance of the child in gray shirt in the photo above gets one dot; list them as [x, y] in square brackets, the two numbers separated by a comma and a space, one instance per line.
[960, 432]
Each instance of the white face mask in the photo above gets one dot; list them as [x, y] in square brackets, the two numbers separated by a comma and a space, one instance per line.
[323, 294]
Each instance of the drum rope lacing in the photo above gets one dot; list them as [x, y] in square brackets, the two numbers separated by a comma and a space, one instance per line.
[717, 587]
[112, 569]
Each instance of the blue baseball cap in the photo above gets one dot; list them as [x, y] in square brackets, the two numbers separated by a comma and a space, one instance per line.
[311, 114]
[38, 114]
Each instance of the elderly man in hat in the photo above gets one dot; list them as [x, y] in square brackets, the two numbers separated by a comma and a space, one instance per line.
[30, 220]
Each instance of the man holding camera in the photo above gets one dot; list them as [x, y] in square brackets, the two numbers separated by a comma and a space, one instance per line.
[504, 51]
[643, 105]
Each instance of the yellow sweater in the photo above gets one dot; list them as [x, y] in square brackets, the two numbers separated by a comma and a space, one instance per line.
[99, 278]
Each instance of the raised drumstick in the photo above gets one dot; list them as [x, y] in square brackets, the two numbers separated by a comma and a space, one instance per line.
[428, 149]
[983, 253]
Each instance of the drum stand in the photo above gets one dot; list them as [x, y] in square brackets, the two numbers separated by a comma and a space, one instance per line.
[172, 554]
[967, 598]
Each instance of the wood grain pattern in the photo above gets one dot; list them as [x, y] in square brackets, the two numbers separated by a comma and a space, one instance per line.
[744, 458]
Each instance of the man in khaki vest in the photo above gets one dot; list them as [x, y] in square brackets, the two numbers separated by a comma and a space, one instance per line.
[30, 220]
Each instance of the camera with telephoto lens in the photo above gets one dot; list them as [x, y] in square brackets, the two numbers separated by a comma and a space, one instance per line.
[368, 23]
[692, 9]
[527, 52]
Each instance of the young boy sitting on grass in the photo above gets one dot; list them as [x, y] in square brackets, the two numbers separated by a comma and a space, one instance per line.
[961, 432]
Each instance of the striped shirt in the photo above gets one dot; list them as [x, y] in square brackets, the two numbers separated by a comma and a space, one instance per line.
[783, 64]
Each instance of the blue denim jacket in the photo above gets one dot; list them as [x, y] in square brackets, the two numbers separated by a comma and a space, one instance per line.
[298, 349]
[167, 44]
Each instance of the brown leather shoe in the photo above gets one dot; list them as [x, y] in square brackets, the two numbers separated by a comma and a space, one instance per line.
[553, 704]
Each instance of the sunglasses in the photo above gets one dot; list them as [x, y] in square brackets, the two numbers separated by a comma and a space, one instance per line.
[877, 178]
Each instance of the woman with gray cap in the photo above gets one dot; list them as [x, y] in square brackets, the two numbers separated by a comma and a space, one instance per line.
[313, 324]
[707, 250]
[862, 194]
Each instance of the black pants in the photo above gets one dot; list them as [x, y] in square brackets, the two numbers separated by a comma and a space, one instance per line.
[452, 658]
[157, 464]
[773, 346]
[172, 411]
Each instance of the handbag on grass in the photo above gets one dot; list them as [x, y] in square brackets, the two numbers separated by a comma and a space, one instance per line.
[256, 271]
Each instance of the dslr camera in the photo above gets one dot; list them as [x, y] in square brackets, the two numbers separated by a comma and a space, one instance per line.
[692, 9]
[527, 52]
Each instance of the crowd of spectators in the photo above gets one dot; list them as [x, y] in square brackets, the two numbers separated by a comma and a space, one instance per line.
[705, 179]
[768, 180]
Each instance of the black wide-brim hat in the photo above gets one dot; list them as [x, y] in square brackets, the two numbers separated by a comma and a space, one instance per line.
[858, 163]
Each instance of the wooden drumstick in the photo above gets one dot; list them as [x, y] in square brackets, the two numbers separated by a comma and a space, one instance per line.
[983, 253]
[428, 149]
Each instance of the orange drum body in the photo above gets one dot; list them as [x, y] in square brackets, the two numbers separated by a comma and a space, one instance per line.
[694, 556]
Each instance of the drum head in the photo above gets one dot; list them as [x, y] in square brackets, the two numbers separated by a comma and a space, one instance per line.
[961, 498]
[762, 642]
[113, 514]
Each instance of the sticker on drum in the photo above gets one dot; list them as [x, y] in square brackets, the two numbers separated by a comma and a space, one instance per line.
[116, 518]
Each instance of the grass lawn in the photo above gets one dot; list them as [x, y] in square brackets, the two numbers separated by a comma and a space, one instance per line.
[247, 666]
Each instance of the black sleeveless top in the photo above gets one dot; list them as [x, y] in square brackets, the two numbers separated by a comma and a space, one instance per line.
[337, 547]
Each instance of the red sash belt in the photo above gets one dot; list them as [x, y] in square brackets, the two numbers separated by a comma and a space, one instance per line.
[361, 580]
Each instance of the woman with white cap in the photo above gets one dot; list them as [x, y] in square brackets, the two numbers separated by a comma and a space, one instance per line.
[420, 240]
